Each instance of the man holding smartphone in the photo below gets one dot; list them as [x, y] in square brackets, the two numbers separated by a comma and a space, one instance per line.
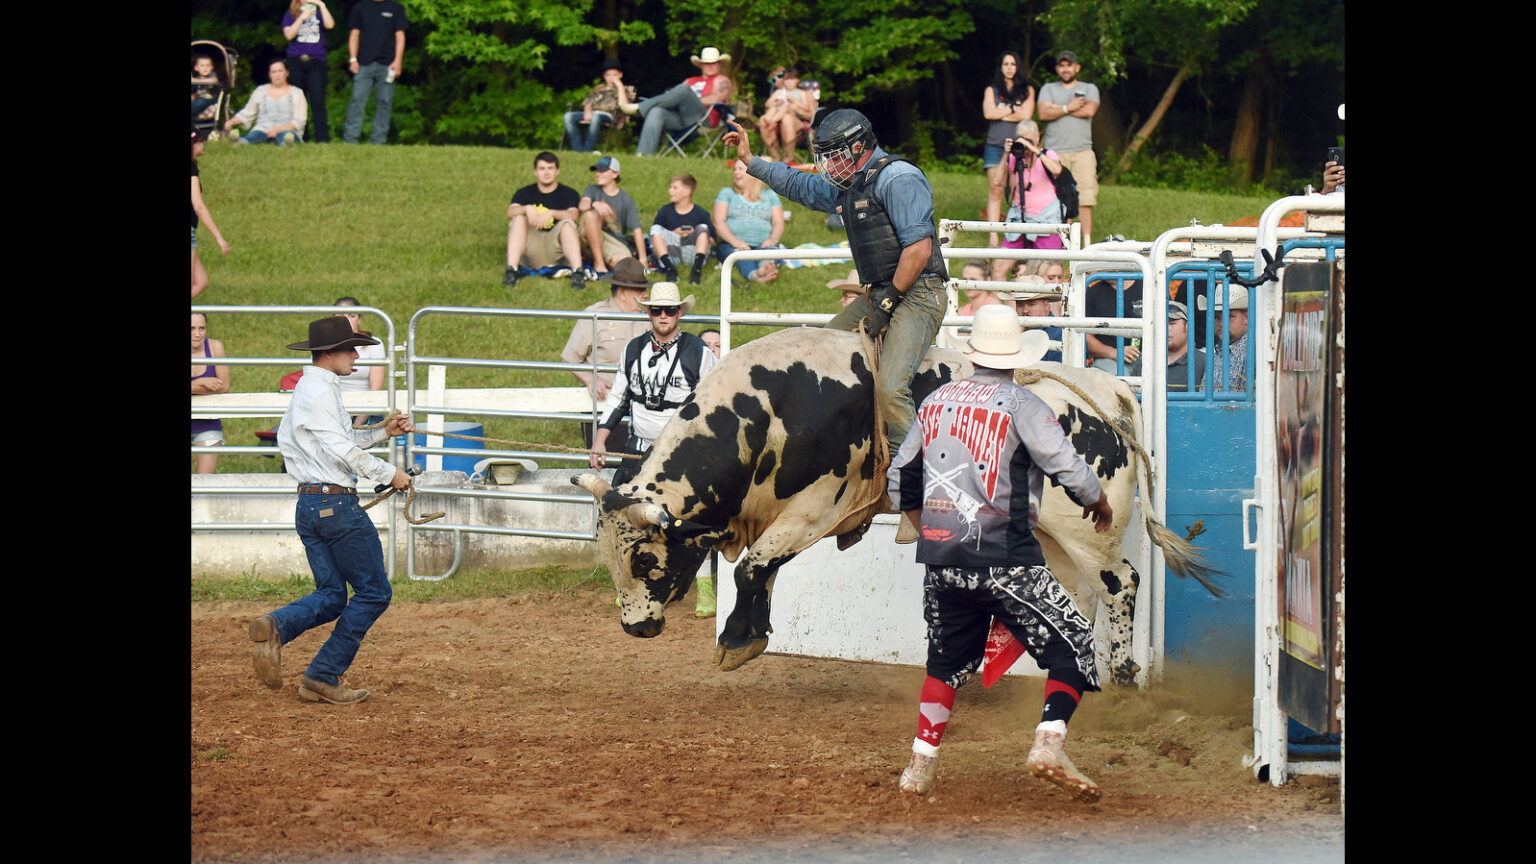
[1066, 110]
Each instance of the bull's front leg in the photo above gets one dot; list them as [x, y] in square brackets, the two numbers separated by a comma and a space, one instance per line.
[746, 630]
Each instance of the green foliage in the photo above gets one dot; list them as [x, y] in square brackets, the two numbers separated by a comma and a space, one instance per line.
[1207, 172]
[480, 84]
[1172, 32]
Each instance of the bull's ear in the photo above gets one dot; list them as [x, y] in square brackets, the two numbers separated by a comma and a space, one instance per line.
[686, 529]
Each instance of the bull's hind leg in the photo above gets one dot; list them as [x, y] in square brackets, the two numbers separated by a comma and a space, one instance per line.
[1119, 599]
[746, 630]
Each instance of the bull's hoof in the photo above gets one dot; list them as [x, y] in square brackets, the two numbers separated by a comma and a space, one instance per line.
[732, 658]
[1125, 675]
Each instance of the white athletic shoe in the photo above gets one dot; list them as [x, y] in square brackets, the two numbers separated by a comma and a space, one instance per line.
[918, 776]
[1049, 762]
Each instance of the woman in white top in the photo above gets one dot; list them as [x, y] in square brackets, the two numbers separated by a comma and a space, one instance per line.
[275, 112]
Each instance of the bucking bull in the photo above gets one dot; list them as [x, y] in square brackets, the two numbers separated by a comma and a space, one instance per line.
[777, 449]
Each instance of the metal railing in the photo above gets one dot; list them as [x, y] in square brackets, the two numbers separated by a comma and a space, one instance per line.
[230, 405]
[437, 412]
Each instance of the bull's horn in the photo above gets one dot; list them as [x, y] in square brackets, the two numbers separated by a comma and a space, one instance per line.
[644, 514]
[594, 484]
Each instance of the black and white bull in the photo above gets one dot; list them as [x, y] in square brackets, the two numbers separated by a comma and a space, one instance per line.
[774, 452]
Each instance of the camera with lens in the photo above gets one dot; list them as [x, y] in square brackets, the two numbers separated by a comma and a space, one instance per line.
[653, 401]
[1018, 148]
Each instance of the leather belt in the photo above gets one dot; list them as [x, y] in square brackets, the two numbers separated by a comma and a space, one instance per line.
[303, 58]
[326, 489]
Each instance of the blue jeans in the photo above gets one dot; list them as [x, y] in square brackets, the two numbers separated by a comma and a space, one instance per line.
[600, 119]
[367, 79]
[746, 267]
[673, 111]
[285, 138]
[913, 326]
[344, 549]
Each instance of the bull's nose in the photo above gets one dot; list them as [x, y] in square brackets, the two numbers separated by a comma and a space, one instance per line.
[645, 629]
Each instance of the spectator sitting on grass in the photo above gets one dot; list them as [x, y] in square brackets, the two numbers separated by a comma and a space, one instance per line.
[749, 215]
[541, 224]
[610, 220]
[275, 112]
[681, 231]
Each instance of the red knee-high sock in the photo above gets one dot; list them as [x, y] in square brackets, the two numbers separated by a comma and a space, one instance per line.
[936, 703]
[1061, 700]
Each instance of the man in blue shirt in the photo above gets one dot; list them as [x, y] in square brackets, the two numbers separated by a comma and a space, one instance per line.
[887, 208]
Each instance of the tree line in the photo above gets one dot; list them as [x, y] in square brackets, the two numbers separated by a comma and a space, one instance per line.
[1246, 90]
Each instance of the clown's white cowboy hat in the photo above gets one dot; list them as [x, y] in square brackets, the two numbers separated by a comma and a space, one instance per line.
[998, 342]
[665, 294]
[709, 55]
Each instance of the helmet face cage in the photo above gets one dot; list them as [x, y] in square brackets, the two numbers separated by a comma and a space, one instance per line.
[841, 173]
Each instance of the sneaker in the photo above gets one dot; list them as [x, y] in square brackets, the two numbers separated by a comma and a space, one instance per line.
[918, 776]
[704, 602]
[668, 268]
[696, 275]
[311, 690]
[578, 280]
[511, 278]
[267, 651]
[1049, 762]
[561, 273]
[906, 532]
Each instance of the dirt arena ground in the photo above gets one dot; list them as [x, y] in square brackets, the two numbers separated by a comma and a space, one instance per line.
[532, 729]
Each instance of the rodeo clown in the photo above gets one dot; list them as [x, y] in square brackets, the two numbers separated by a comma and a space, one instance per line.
[969, 477]
[887, 207]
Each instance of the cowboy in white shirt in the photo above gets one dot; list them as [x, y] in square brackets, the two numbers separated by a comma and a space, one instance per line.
[326, 455]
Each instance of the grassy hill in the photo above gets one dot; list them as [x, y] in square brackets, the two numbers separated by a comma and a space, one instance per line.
[401, 228]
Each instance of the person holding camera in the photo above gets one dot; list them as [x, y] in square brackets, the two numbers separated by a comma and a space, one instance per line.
[1067, 108]
[656, 376]
[304, 26]
[1030, 192]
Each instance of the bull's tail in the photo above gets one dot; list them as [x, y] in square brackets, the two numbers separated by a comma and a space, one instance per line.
[1181, 556]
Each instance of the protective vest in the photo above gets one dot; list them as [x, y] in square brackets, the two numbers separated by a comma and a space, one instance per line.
[871, 236]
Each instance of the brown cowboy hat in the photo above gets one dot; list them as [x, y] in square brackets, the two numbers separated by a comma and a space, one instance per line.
[333, 332]
[626, 274]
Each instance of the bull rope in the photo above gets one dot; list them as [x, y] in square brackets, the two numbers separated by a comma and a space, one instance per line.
[527, 445]
[407, 511]
[1032, 376]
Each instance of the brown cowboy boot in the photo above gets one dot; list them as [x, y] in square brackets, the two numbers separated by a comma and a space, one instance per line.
[311, 690]
[1049, 762]
[267, 651]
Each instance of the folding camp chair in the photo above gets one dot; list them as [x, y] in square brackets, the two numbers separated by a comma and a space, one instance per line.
[710, 135]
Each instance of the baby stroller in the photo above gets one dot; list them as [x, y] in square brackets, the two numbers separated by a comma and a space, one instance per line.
[211, 119]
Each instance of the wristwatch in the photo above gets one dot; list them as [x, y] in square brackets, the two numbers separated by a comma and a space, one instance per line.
[352, 60]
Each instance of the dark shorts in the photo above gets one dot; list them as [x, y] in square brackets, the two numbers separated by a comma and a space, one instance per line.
[959, 604]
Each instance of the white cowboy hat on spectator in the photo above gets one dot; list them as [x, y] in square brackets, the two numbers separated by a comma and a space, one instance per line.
[710, 54]
[1239, 298]
[852, 283]
[665, 294]
[1033, 287]
[998, 342]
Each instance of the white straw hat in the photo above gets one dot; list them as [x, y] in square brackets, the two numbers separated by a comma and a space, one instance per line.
[709, 55]
[665, 294]
[997, 341]
[1033, 287]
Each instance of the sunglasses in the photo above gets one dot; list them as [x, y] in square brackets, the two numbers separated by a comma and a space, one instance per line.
[664, 310]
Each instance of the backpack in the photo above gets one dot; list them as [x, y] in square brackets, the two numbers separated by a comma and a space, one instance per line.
[1066, 192]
